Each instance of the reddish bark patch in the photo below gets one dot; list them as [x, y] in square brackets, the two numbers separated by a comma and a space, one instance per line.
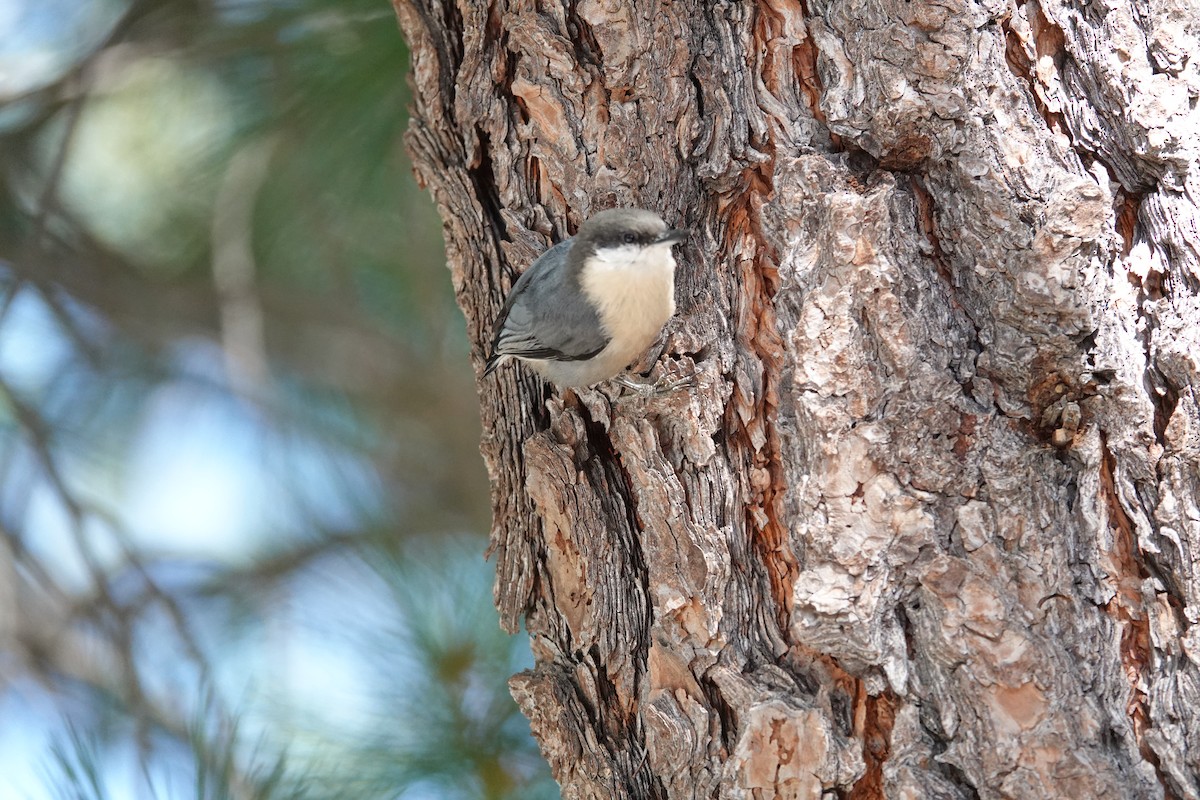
[1048, 38]
[1048, 41]
[1126, 573]
[804, 62]
[878, 715]
[908, 152]
[966, 435]
[1127, 220]
[926, 223]
[752, 409]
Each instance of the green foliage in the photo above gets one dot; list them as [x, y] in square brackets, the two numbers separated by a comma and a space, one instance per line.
[445, 725]
[218, 770]
[75, 759]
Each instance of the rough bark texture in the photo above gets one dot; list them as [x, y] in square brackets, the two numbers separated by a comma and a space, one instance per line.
[927, 526]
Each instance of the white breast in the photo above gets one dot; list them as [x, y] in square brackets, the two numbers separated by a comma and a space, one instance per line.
[634, 290]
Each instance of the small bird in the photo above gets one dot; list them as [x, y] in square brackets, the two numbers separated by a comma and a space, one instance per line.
[591, 305]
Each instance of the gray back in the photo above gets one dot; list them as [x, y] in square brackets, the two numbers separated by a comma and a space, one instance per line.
[546, 315]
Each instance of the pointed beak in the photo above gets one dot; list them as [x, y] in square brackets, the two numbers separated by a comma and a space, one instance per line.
[673, 236]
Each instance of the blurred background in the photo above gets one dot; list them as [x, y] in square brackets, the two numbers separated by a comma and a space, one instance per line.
[242, 508]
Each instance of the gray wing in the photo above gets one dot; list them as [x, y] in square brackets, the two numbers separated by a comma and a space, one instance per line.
[546, 316]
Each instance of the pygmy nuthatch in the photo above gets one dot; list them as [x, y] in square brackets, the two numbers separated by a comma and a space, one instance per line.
[591, 305]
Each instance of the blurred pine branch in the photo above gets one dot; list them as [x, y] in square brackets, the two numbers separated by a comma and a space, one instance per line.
[223, 303]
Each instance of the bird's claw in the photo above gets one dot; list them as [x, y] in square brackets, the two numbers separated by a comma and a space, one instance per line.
[663, 386]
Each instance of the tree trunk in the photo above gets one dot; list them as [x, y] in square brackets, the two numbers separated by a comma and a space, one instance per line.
[927, 524]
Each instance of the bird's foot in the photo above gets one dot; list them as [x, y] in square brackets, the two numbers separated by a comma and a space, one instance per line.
[663, 386]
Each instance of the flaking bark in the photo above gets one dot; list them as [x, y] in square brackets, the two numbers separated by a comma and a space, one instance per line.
[927, 523]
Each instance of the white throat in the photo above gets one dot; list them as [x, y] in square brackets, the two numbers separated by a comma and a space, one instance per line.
[630, 258]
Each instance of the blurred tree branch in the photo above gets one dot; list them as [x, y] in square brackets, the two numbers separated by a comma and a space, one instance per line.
[293, 237]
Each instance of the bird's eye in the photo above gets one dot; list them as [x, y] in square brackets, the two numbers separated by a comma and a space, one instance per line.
[630, 238]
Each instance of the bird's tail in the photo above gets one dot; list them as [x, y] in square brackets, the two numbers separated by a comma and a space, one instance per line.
[494, 360]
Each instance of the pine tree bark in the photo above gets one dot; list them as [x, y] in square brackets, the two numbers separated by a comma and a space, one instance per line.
[927, 524]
